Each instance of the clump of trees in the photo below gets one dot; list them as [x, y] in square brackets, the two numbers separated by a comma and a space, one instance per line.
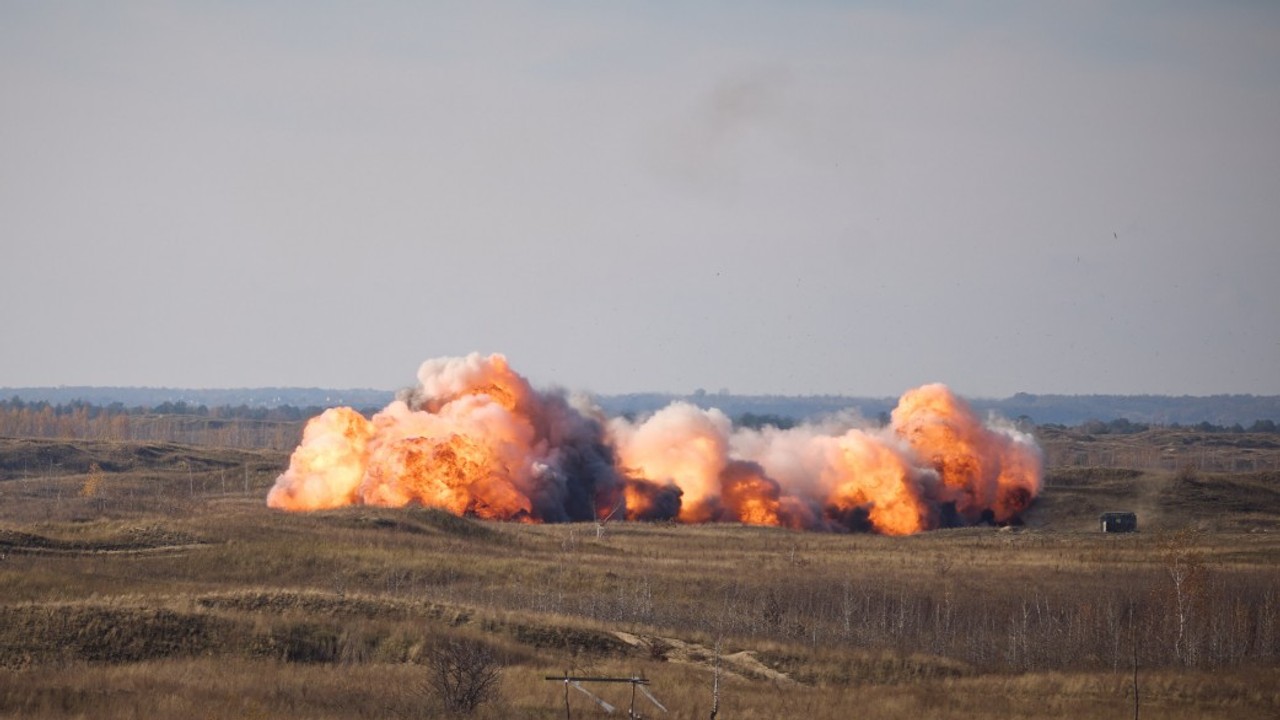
[1258, 426]
[1119, 426]
[757, 421]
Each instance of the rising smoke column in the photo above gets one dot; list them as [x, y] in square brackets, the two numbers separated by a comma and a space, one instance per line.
[475, 438]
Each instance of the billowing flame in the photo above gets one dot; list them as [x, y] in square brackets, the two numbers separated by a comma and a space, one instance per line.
[682, 444]
[983, 469]
[869, 474]
[328, 466]
[749, 496]
[475, 438]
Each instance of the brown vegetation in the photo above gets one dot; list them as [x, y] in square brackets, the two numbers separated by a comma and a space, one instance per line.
[149, 580]
[1160, 448]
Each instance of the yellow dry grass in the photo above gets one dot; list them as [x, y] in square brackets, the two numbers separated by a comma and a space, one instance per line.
[172, 592]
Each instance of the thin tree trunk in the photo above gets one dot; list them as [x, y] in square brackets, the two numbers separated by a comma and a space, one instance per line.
[715, 684]
[1134, 627]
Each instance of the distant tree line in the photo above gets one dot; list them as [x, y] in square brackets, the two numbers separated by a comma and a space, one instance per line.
[151, 397]
[1123, 426]
[94, 410]
[239, 426]
[1065, 410]
[1119, 426]
[1155, 410]
[1068, 410]
[280, 427]
[759, 421]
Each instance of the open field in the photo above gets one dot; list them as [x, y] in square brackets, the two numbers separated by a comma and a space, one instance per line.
[149, 580]
[1162, 449]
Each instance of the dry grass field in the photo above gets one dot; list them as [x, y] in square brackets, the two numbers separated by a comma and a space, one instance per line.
[150, 581]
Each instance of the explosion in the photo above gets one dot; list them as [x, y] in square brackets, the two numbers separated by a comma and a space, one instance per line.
[475, 438]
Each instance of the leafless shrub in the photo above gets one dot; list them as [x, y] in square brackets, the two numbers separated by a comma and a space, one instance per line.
[463, 673]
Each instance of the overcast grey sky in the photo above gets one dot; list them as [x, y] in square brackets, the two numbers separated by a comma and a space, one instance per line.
[801, 197]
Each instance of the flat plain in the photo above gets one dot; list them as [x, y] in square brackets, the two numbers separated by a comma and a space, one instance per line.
[150, 580]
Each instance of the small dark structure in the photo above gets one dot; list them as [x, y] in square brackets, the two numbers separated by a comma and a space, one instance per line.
[1119, 522]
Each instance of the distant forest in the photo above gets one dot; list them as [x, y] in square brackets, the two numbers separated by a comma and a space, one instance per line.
[1103, 413]
[1218, 411]
[147, 397]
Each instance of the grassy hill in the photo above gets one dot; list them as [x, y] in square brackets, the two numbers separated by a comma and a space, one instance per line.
[149, 580]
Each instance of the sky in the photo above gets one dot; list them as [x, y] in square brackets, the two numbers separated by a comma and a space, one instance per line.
[793, 198]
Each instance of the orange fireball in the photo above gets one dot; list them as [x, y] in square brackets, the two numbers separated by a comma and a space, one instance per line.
[868, 475]
[474, 438]
[325, 471]
[749, 496]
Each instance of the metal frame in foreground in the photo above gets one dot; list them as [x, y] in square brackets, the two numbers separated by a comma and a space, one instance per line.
[575, 682]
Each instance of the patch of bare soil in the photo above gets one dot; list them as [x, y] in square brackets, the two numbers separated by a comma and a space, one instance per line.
[743, 664]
